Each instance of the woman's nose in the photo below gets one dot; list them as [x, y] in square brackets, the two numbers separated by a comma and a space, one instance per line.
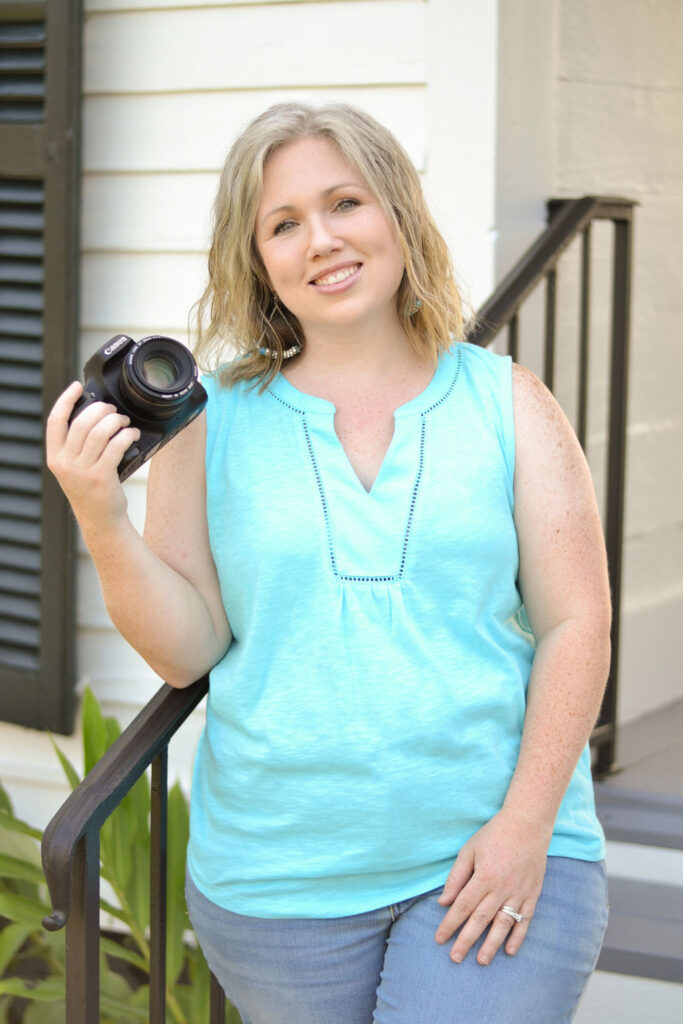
[322, 239]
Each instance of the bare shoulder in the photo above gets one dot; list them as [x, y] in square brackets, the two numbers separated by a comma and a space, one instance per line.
[544, 438]
[562, 559]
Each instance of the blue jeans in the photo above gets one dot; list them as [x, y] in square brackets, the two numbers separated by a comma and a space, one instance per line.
[384, 966]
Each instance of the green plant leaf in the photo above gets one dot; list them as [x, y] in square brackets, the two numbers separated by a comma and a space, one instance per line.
[119, 1011]
[12, 824]
[72, 776]
[22, 909]
[14, 867]
[5, 802]
[116, 912]
[48, 991]
[44, 1013]
[177, 922]
[115, 949]
[96, 735]
[12, 938]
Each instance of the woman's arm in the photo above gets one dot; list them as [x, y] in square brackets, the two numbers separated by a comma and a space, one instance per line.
[162, 593]
[564, 584]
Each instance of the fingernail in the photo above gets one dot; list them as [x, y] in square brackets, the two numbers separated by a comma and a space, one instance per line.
[483, 960]
[456, 958]
[512, 951]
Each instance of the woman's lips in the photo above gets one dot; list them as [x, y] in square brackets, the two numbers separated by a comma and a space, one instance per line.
[337, 280]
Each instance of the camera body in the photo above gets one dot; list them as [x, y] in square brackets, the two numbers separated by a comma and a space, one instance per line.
[153, 381]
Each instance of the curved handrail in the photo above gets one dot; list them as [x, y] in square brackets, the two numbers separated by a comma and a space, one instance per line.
[568, 219]
[103, 788]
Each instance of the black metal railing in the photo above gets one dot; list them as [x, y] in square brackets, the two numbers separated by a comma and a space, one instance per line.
[570, 219]
[71, 855]
[71, 840]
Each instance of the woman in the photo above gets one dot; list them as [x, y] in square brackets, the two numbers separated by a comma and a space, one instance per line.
[385, 545]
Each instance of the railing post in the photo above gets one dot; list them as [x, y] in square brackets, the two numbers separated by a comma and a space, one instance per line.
[614, 525]
[550, 318]
[217, 1003]
[83, 934]
[157, 888]
[584, 336]
[513, 337]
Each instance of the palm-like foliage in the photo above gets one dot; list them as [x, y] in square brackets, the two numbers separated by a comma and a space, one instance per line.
[32, 961]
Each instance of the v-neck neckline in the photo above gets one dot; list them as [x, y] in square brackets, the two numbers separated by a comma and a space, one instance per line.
[305, 403]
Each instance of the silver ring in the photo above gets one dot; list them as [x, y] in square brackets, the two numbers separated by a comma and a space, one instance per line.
[513, 913]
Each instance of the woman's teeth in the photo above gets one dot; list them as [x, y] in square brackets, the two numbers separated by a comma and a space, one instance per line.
[340, 275]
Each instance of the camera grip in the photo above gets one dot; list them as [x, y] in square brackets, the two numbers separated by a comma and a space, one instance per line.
[86, 399]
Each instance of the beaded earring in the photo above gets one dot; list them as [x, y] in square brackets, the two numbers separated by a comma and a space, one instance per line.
[413, 308]
[294, 350]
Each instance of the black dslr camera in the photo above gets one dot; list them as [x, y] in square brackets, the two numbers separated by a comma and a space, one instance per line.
[153, 381]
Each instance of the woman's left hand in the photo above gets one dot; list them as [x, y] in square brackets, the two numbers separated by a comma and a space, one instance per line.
[503, 864]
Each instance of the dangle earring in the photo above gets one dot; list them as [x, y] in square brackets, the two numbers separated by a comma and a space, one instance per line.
[264, 350]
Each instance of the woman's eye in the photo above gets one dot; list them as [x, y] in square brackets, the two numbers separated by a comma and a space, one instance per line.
[283, 226]
[347, 204]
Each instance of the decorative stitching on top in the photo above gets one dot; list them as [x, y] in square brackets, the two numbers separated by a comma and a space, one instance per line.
[346, 577]
[321, 492]
[448, 393]
[287, 405]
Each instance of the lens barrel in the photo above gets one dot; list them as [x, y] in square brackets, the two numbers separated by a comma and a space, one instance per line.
[157, 376]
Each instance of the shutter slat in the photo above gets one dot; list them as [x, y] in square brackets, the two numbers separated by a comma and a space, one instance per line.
[13, 191]
[20, 608]
[27, 87]
[28, 299]
[13, 351]
[21, 246]
[20, 531]
[19, 635]
[21, 218]
[20, 506]
[27, 326]
[22, 403]
[22, 33]
[21, 428]
[28, 377]
[25, 660]
[14, 557]
[24, 583]
[19, 481]
[20, 58]
[23, 455]
[21, 272]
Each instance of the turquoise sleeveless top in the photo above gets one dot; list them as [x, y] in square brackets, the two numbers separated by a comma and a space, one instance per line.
[366, 720]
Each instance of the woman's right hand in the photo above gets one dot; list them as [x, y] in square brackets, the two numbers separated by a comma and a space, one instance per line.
[85, 454]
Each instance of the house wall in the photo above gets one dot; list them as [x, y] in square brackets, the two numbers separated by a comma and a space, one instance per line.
[167, 87]
[620, 132]
[589, 102]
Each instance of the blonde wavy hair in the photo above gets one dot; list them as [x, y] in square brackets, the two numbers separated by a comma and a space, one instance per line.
[236, 307]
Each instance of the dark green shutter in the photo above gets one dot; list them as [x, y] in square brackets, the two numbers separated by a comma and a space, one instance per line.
[40, 61]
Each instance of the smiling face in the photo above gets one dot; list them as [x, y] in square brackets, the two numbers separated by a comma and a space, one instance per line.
[328, 248]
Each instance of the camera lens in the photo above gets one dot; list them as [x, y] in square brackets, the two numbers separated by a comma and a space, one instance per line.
[159, 372]
[157, 376]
